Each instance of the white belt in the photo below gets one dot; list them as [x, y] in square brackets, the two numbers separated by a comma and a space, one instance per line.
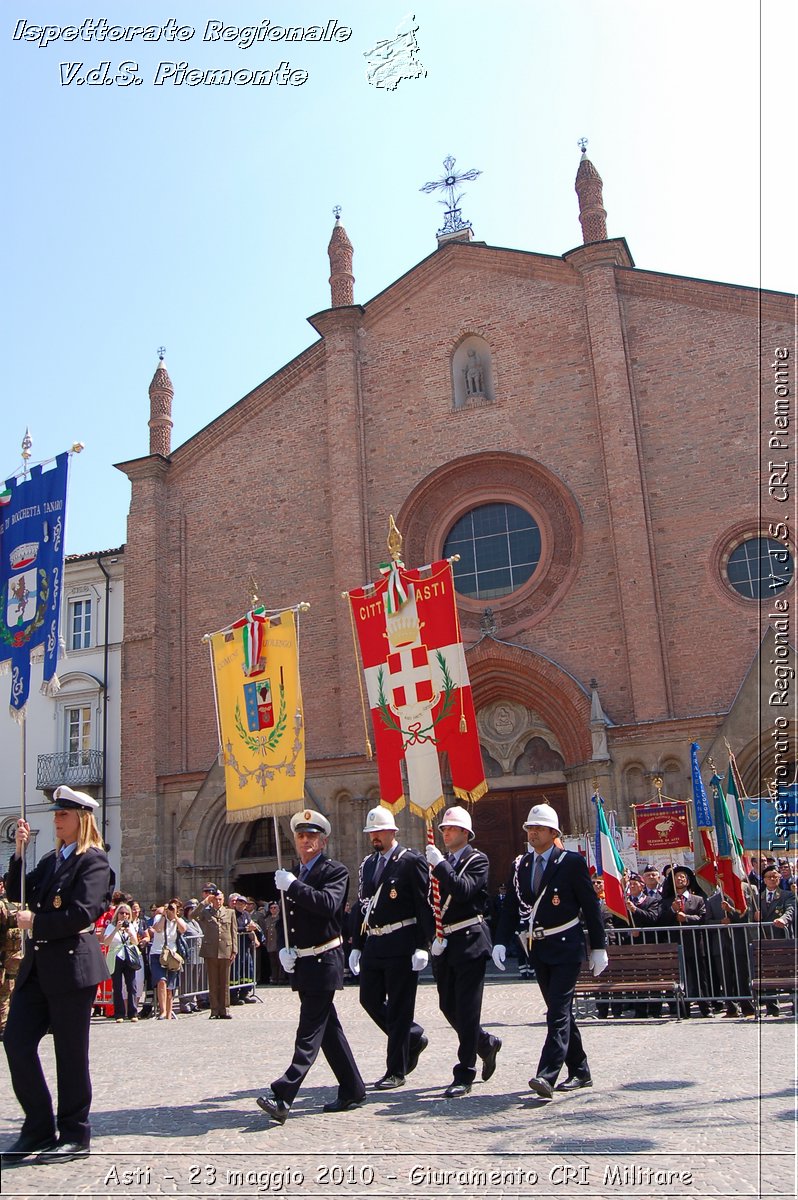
[538, 932]
[379, 930]
[306, 951]
[447, 929]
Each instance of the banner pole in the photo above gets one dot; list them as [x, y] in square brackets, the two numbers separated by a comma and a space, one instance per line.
[436, 891]
[279, 868]
[24, 775]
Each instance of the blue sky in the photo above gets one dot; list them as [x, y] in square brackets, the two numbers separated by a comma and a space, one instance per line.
[198, 217]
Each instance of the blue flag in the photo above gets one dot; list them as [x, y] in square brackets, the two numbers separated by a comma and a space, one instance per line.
[703, 816]
[31, 573]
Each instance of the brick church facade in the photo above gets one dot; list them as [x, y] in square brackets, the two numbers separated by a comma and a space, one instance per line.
[611, 411]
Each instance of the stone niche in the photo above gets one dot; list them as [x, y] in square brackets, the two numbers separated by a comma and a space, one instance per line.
[472, 373]
[516, 742]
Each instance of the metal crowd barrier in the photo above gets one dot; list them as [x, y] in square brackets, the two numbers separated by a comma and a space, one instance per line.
[716, 958]
[193, 978]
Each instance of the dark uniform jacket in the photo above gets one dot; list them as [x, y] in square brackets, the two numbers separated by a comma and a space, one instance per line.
[464, 895]
[315, 910]
[782, 905]
[64, 903]
[402, 889]
[567, 893]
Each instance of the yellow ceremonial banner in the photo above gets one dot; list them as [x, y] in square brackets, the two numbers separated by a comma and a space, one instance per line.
[259, 706]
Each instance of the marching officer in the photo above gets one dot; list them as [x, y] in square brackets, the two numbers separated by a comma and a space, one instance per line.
[315, 898]
[460, 958]
[549, 890]
[390, 943]
[57, 981]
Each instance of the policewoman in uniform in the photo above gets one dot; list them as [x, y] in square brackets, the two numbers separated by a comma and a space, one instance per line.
[549, 891]
[460, 957]
[57, 982]
[391, 930]
[314, 898]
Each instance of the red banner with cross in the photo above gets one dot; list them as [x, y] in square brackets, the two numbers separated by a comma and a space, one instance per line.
[419, 693]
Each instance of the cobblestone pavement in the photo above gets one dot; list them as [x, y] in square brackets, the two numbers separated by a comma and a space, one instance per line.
[690, 1108]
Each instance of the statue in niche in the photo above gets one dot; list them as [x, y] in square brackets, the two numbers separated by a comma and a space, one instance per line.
[504, 721]
[474, 376]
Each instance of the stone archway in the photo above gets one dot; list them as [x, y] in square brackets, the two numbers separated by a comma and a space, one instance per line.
[534, 726]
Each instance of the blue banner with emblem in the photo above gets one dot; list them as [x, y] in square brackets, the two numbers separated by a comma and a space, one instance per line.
[32, 513]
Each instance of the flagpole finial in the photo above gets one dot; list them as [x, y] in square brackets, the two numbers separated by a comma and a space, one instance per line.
[595, 785]
[76, 447]
[395, 540]
[657, 781]
[254, 598]
[27, 448]
[712, 767]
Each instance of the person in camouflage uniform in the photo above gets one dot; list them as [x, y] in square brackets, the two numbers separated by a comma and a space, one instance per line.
[10, 956]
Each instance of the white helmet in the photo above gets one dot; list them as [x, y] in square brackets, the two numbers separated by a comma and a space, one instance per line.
[459, 818]
[543, 814]
[379, 818]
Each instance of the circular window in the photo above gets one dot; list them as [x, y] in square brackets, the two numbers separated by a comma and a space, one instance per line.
[499, 548]
[759, 568]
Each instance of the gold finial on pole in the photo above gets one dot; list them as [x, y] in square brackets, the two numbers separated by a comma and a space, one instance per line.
[657, 781]
[254, 598]
[595, 783]
[395, 540]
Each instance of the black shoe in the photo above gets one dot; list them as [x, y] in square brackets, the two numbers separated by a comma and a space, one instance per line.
[24, 1147]
[277, 1109]
[250, 999]
[415, 1052]
[64, 1152]
[388, 1082]
[455, 1090]
[489, 1060]
[225, 1017]
[573, 1082]
[342, 1105]
[772, 1010]
[541, 1087]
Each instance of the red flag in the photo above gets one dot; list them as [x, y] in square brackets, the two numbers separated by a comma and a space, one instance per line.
[418, 688]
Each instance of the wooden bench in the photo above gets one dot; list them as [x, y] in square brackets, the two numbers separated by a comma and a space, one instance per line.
[647, 971]
[773, 966]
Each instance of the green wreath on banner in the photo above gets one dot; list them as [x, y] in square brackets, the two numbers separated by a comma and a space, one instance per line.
[416, 735]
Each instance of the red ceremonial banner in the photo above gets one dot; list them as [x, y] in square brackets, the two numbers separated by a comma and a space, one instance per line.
[662, 827]
[418, 688]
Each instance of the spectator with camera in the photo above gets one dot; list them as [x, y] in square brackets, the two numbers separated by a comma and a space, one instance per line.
[165, 959]
[123, 961]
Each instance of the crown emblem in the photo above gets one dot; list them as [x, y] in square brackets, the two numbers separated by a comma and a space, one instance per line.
[403, 629]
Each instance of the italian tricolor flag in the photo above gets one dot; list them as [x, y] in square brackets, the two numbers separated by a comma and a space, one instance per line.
[609, 864]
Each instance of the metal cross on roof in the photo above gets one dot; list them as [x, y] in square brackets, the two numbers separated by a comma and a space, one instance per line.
[337, 211]
[161, 353]
[449, 183]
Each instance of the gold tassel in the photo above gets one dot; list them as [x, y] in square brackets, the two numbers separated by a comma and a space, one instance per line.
[369, 751]
[463, 724]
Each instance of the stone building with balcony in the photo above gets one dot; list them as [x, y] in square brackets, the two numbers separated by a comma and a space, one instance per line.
[73, 737]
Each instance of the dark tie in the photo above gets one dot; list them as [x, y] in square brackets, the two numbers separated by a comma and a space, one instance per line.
[378, 870]
[450, 858]
[303, 873]
[537, 878]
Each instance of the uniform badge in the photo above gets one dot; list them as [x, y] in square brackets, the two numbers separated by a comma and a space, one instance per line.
[555, 899]
[393, 893]
[56, 901]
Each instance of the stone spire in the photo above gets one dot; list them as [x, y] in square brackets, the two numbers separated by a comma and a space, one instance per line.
[161, 396]
[341, 253]
[592, 215]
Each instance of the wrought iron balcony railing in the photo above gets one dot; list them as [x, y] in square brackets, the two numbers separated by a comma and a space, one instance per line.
[76, 768]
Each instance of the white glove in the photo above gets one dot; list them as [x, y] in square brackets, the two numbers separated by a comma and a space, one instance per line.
[283, 880]
[438, 946]
[287, 960]
[354, 962]
[419, 960]
[599, 961]
[499, 955]
[434, 855]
